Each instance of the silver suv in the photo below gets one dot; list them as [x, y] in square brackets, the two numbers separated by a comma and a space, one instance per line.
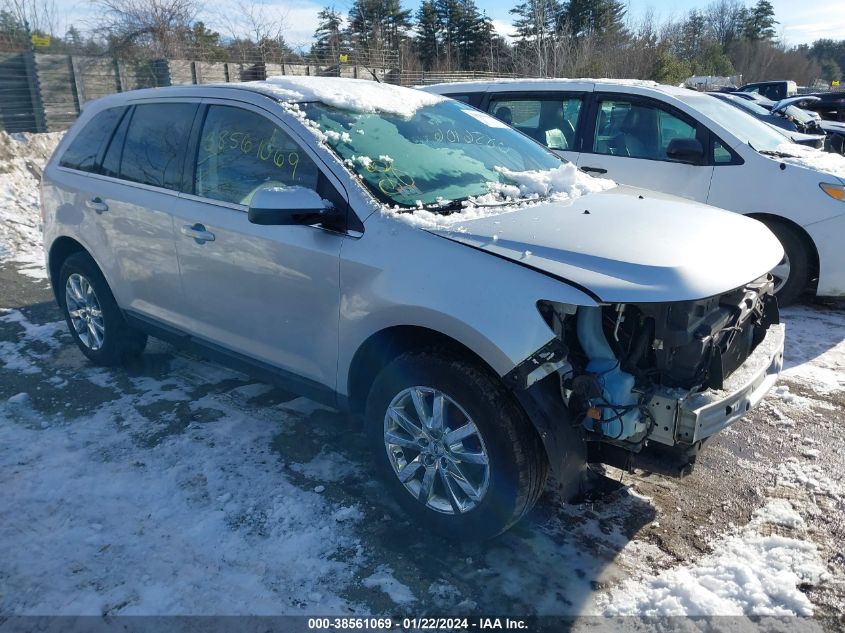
[490, 312]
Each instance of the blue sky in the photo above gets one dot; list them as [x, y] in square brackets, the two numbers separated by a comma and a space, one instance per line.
[800, 22]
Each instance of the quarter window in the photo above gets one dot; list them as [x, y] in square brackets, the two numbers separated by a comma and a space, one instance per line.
[83, 151]
[625, 128]
[155, 144]
[550, 121]
[241, 152]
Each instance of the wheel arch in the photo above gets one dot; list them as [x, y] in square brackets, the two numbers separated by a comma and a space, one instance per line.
[62, 248]
[809, 244]
[385, 345]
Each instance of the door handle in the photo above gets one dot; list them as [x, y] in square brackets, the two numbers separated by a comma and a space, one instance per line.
[198, 232]
[97, 205]
[597, 170]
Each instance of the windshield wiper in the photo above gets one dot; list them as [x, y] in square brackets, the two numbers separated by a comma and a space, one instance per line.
[773, 152]
[458, 205]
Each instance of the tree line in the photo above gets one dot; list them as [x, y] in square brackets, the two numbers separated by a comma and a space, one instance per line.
[549, 38]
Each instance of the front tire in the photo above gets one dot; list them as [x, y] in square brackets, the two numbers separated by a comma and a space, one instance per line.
[95, 322]
[455, 449]
[792, 274]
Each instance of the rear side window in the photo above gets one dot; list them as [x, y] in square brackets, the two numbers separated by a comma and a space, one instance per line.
[83, 150]
[156, 138]
[550, 120]
[241, 152]
[637, 130]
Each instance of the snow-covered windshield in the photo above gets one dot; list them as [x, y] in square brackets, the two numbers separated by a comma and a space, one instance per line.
[439, 156]
[744, 126]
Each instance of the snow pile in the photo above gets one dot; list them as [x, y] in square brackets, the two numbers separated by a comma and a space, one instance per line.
[350, 94]
[812, 158]
[564, 182]
[22, 157]
[749, 574]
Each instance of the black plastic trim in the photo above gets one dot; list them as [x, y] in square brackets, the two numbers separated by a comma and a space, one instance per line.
[240, 362]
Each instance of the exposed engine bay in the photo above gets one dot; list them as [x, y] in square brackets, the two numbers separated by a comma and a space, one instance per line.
[634, 373]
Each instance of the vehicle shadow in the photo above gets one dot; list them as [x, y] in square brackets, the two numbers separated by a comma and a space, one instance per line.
[551, 563]
[812, 329]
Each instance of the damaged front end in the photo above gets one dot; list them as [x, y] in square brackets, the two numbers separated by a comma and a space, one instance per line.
[648, 383]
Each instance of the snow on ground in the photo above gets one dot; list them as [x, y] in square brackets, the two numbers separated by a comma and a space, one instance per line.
[178, 486]
[22, 156]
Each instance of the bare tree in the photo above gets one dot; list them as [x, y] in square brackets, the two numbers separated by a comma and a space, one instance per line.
[257, 32]
[725, 20]
[39, 15]
[157, 25]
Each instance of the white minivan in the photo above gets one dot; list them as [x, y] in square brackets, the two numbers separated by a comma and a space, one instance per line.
[689, 144]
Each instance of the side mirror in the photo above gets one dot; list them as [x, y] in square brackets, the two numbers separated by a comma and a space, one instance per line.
[280, 206]
[685, 150]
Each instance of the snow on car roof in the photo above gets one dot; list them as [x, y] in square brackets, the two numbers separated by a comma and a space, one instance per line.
[354, 94]
[641, 83]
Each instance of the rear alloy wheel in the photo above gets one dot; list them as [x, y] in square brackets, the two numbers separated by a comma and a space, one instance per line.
[792, 274]
[93, 317]
[453, 446]
[86, 316]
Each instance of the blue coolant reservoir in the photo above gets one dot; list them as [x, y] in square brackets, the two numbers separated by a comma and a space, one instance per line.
[617, 386]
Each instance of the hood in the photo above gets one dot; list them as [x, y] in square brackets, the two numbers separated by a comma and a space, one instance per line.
[627, 245]
[798, 99]
[832, 126]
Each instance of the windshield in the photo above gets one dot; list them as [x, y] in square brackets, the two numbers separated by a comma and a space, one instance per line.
[444, 153]
[744, 126]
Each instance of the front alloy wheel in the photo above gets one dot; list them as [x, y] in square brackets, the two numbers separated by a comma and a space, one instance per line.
[85, 313]
[452, 445]
[436, 450]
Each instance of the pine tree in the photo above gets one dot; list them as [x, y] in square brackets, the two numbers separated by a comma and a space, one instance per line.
[598, 17]
[536, 23]
[377, 24]
[428, 31]
[760, 22]
[328, 37]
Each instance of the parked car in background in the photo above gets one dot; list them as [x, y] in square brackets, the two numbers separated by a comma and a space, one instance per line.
[789, 128]
[489, 311]
[830, 106]
[688, 144]
[794, 109]
[774, 90]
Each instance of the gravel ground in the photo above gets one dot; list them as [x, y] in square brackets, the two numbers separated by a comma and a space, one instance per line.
[176, 413]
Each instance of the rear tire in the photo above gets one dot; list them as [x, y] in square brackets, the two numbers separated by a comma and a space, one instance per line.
[462, 500]
[93, 318]
[792, 275]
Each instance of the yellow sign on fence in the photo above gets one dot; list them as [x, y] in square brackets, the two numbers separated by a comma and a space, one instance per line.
[835, 82]
[344, 57]
[41, 40]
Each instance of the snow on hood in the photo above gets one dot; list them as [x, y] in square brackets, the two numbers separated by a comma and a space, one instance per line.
[629, 245]
[812, 158]
[351, 94]
[530, 188]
